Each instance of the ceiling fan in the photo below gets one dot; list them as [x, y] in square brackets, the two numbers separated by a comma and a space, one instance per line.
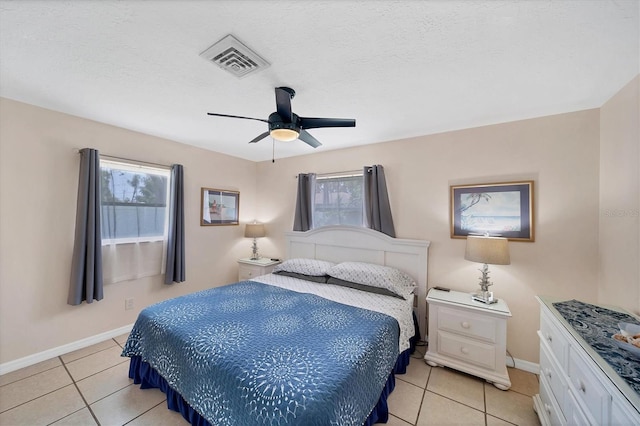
[286, 126]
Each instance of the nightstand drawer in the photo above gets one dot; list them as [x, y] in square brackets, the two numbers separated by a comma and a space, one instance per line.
[468, 324]
[247, 272]
[469, 351]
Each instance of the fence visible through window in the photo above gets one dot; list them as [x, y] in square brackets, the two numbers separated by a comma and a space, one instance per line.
[133, 202]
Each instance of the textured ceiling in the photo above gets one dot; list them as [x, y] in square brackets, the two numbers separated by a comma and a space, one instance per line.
[400, 68]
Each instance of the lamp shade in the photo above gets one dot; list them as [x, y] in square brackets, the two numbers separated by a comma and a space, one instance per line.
[254, 230]
[491, 250]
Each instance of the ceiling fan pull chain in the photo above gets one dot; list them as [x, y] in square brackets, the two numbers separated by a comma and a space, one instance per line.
[273, 150]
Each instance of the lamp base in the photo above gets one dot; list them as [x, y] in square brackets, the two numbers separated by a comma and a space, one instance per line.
[485, 297]
[254, 251]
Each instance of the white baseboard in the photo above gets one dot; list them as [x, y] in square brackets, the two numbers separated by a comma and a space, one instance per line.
[529, 366]
[17, 364]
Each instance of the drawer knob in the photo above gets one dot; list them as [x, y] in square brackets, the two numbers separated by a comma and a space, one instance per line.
[549, 338]
[464, 350]
[581, 386]
[547, 407]
[549, 373]
[465, 324]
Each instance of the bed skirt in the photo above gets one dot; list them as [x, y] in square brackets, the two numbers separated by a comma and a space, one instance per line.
[144, 375]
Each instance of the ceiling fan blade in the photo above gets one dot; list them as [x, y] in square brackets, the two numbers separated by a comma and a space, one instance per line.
[283, 103]
[259, 138]
[308, 139]
[236, 116]
[315, 123]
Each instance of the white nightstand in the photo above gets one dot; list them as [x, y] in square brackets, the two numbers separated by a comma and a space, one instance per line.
[249, 269]
[469, 336]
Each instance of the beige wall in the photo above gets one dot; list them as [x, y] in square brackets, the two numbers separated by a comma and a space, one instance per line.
[583, 163]
[38, 184]
[560, 153]
[619, 225]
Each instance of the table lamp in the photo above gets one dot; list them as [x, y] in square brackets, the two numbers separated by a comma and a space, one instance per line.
[487, 250]
[254, 230]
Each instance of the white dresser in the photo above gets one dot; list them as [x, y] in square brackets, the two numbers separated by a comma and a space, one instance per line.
[577, 386]
[469, 336]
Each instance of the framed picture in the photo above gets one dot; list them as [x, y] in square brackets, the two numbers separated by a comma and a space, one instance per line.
[499, 209]
[219, 207]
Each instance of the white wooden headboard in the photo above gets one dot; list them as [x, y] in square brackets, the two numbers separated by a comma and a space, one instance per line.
[355, 244]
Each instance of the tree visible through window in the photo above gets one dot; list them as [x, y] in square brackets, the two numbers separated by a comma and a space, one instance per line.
[134, 201]
[338, 200]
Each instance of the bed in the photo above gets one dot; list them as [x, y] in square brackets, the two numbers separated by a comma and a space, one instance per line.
[306, 345]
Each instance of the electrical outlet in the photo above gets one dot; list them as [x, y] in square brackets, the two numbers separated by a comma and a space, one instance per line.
[128, 304]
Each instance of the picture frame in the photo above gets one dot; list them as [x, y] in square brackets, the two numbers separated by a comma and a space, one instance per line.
[219, 207]
[499, 209]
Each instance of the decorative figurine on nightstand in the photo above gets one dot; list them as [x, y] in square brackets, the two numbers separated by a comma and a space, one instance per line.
[254, 230]
[487, 250]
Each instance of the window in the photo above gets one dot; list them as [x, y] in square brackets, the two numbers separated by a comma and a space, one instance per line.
[134, 202]
[338, 200]
[134, 215]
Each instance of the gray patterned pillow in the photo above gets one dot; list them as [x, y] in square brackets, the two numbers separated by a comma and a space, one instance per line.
[372, 275]
[361, 287]
[312, 267]
[322, 279]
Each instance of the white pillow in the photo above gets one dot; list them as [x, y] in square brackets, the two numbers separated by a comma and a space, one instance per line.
[378, 276]
[312, 267]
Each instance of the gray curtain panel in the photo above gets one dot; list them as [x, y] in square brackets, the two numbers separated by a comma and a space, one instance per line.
[175, 270]
[376, 201]
[303, 219]
[86, 265]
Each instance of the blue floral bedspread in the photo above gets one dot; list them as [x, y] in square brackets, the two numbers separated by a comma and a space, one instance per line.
[251, 353]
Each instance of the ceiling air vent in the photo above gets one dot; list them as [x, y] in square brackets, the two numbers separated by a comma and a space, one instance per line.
[233, 56]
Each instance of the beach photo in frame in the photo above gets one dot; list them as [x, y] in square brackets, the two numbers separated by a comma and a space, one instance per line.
[219, 207]
[499, 209]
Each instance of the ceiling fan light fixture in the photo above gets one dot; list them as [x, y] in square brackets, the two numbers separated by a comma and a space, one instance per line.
[284, 135]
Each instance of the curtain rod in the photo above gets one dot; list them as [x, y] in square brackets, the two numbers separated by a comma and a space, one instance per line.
[113, 157]
[346, 173]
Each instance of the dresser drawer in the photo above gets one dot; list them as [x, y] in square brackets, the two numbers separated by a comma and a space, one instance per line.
[553, 375]
[623, 415]
[468, 324]
[554, 339]
[469, 351]
[550, 405]
[575, 415]
[588, 390]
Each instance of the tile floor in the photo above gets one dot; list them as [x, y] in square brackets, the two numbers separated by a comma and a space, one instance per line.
[91, 387]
